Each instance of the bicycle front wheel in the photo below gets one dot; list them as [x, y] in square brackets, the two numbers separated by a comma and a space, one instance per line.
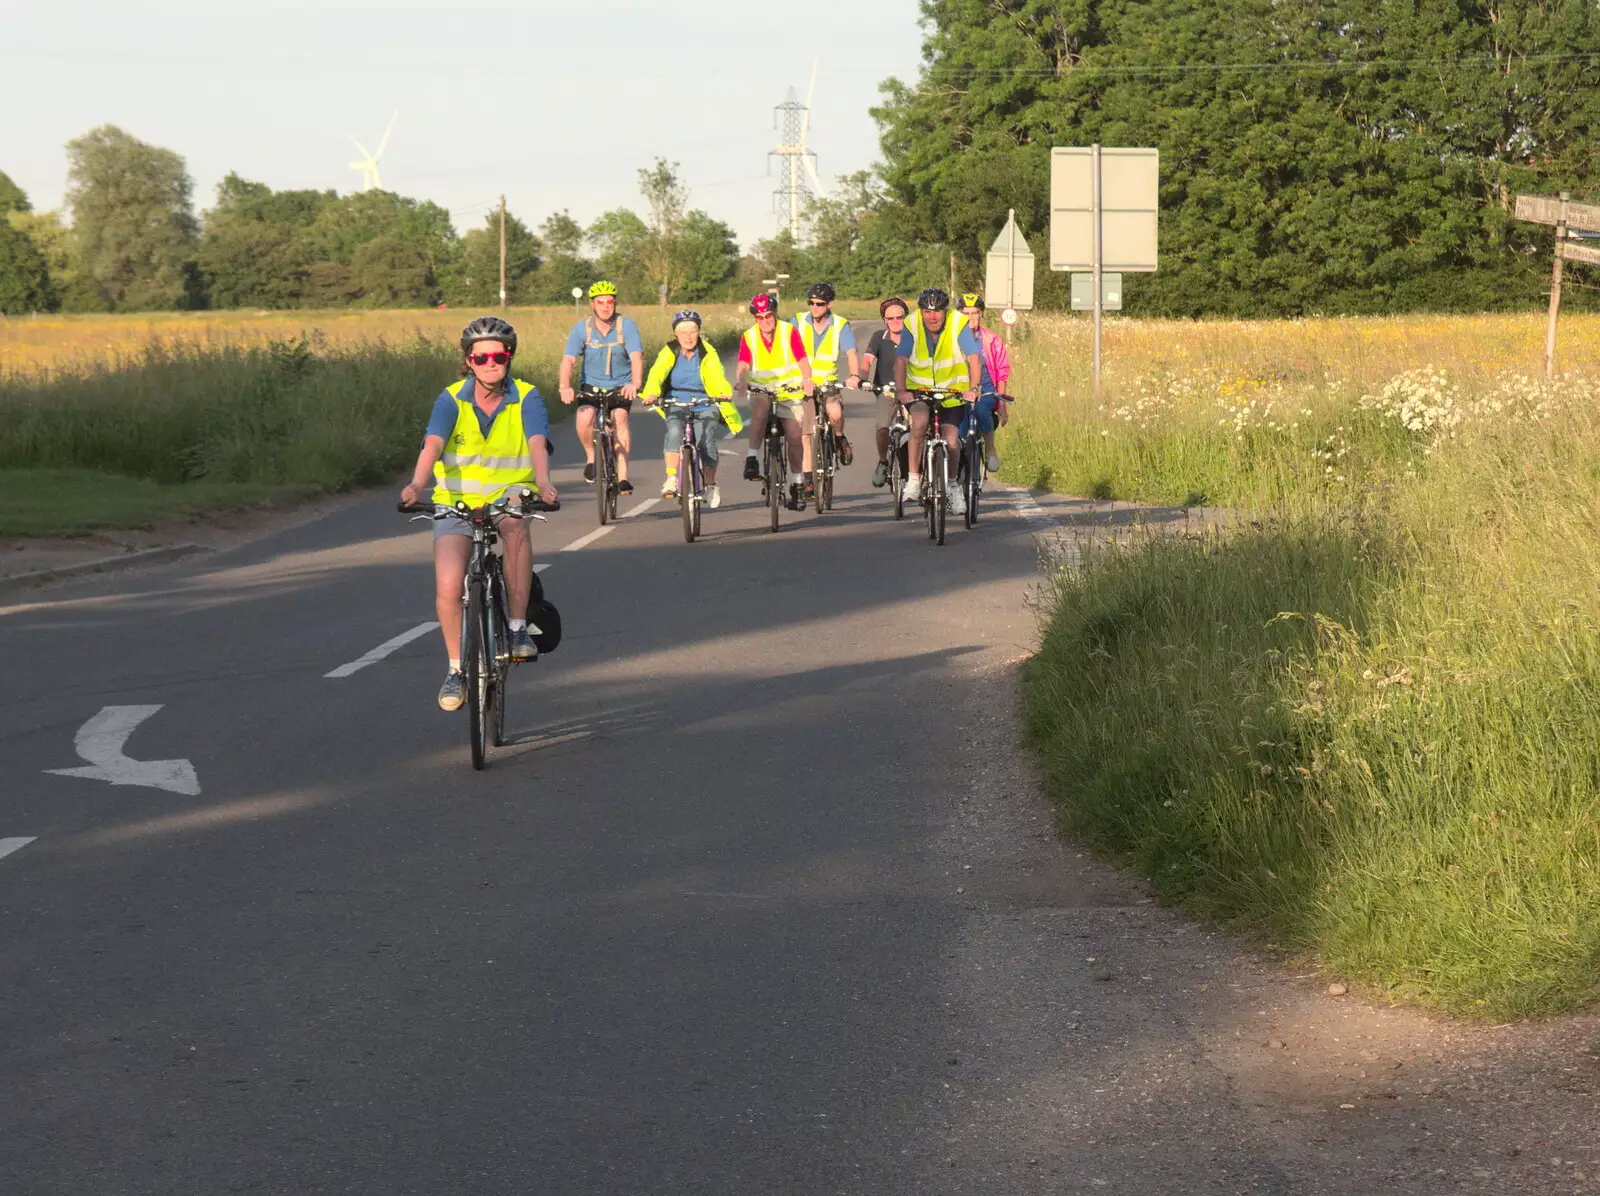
[477, 666]
[602, 476]
[973, 481]
[819, 465]
[686, 503]
[777, 482]
[897, 478]
[940, 490]
[825, 486]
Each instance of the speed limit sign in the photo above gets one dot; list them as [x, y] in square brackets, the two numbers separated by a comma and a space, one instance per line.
[1009, 316]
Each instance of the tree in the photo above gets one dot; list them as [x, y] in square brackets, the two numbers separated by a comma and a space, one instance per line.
[619, 238]
[24, 277]
[391, 273]
[71, 290]
[707, 257]
[133, 221]
[1334, 155]
[255, 250]
[477, 279]
[12, 197]
[561, 235]
[661, 254]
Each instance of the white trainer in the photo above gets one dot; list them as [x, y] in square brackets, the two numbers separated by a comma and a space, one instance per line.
[913, 490]
[958, 501]
[669, 488]
[994, 463]
[713, 496]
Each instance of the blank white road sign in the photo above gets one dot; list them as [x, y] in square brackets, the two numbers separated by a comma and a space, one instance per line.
[1130, 182]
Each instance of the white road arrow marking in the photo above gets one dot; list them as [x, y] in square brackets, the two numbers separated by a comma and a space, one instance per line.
[100, 740]
[7, 846]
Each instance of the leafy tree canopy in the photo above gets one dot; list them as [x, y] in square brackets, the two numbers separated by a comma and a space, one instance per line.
[1333, 155]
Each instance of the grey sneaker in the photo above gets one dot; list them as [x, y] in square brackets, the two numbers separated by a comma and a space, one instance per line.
[880, 475]
[453, 693]
[523, 647]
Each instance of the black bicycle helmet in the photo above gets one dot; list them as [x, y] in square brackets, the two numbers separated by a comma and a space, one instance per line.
[893, 301]
[489, 328]
[933, 299]
[821, 290]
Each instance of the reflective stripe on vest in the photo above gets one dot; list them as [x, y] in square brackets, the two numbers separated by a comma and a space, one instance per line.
[479, 469]
[947, 371]
[824, 352]
[776, 367]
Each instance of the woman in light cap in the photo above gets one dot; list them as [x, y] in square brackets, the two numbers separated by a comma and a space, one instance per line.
[688, 371]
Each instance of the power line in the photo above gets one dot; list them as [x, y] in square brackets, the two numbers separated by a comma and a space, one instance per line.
[933, 73]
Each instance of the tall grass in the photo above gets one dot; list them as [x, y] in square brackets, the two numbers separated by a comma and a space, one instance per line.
[1365, 722]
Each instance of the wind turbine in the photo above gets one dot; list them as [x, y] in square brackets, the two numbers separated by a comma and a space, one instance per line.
[368, 166]
[806, 156]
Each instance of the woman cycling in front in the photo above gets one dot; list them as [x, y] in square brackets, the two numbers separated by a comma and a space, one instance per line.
[688, 370]
[486, 435]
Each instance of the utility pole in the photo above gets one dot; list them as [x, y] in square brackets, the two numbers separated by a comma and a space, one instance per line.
[502, 253]
[953, 295]
[1555, 294]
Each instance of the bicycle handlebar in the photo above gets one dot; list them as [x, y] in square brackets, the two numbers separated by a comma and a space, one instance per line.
[529, 506]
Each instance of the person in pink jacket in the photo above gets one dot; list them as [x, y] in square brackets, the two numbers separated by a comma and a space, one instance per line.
[996, 374]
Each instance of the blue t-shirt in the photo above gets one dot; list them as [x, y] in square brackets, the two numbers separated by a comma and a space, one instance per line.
[685, 382]
[968, 341]
[535, 420]
[624, 333]
[811, 335]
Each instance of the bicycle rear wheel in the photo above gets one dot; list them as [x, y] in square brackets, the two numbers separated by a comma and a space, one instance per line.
[940, 490]
[476, 668]
[602, 475]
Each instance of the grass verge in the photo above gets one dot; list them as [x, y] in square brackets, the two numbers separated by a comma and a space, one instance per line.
[186, 428]
[1367, 726]
[75, 502]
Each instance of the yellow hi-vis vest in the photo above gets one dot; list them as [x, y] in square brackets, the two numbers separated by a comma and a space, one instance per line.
[478, 469]
[776, 367]
[824, 350]
[942, 367]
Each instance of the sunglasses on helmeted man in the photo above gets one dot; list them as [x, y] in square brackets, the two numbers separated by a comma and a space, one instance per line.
[817, 302]
[486, 358]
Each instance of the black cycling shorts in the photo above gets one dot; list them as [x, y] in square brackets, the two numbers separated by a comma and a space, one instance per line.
[609, 402]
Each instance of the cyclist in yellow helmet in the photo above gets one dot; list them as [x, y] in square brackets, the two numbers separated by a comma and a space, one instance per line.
[613, 360]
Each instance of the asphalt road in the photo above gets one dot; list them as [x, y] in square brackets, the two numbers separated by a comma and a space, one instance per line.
[760, 900]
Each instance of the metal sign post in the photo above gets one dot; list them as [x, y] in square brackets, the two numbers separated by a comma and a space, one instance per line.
[1567, 217]
[1095, 181]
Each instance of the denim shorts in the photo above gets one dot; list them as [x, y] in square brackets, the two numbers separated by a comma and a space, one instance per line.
[454, 525]
[707, 425]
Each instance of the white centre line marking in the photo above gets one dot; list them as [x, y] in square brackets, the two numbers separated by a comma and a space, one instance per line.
[7, 846]
[383, 649]
[585, 541]
[640, 508]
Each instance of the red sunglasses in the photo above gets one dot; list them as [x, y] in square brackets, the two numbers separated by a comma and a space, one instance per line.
[486, 358]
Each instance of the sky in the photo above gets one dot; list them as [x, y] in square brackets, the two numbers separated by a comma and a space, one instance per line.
[555, 105]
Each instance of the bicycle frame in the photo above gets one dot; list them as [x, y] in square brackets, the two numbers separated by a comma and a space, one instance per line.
[691, 489]
[605, 448]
